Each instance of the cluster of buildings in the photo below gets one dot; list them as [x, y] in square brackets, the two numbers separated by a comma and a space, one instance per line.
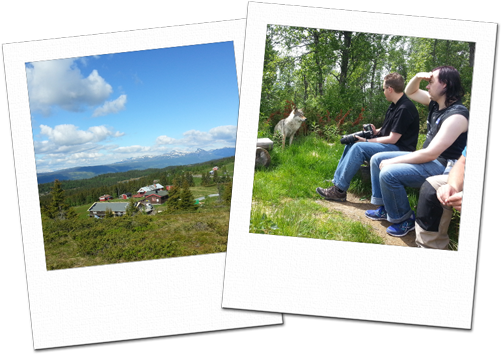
[154, 194]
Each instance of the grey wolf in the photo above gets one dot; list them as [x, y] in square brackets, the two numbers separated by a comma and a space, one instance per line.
[287, 127]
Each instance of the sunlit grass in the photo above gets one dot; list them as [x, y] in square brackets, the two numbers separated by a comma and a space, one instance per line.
[284, 194]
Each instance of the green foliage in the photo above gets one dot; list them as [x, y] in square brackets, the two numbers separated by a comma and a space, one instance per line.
[186, 200]
[55, 207]
[108, 213]
[89, 241]
[174, 196]
[227, 193]
[131, 208]
[326, 71]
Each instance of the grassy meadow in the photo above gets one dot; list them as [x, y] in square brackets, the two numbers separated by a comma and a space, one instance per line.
[81, 241]
[284, 195]
[89, 242]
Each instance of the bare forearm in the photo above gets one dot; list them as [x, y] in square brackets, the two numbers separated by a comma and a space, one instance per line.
[456, 176]
[416, 157]
[412, 86]
[383, 140]
[412, 89]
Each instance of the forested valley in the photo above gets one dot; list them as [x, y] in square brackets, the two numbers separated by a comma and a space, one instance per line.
[84, 191]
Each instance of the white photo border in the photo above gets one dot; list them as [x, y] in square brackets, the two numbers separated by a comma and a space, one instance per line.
[345, 279]
[118, 301]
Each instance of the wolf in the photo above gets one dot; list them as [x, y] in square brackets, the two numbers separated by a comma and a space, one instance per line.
[287, 127]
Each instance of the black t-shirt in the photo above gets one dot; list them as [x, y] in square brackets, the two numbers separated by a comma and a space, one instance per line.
[402, 118]
[436, 118]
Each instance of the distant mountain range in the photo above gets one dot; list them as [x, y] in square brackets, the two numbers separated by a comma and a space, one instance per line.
[174, 158]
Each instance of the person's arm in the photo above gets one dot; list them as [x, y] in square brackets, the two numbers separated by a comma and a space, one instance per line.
[456, 176]
[448, 133]
[451, 193]
[413, 91]
[390, 139]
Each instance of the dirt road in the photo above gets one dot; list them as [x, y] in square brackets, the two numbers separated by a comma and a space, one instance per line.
[355, 209]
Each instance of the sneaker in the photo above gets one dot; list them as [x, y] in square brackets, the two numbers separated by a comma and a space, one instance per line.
[378, 214]
[402, 228]
[332, 193]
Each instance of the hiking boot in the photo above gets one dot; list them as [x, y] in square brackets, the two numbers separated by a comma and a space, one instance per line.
[378, 214]
[402, 228]
[332, 193]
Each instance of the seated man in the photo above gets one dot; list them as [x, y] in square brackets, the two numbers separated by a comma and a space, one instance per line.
[399, 132]
[391, 172]
[438, 195]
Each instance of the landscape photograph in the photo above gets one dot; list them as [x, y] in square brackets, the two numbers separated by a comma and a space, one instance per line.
[134, 153]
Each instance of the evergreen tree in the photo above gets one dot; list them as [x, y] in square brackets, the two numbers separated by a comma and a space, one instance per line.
[173, 200]
[131, 208]
[56, 209]
[108, 213]
[187, 201]
[71, 214]
[177, 181]
[227, 193]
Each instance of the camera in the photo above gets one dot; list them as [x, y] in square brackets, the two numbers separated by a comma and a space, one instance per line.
[367, 133]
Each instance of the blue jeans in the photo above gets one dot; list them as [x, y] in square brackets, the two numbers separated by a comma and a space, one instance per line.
[353, 156]
[388, 184]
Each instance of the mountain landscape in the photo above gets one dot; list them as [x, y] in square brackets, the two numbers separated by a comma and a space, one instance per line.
[174, 158]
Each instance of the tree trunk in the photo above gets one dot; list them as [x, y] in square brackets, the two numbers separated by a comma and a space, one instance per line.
[345, 57]
[316, 40]
[472, 53]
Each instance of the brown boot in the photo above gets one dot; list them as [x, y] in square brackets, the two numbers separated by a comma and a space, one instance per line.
[332, 193]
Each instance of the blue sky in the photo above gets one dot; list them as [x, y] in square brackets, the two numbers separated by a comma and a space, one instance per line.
[102, 109]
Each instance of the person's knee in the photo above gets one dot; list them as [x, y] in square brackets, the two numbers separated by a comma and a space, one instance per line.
[375, 161]
[429, 210]
[387, 176]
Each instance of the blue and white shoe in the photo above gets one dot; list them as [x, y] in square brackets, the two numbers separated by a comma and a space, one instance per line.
[378, 214]
[401, 229]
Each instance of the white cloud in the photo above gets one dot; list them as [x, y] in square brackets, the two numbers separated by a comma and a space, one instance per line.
[131, 149]
[196, 137]
[68, 134]
[60, 83]
[223, 135]
[225, 132]
[111, 107]
[165, 140]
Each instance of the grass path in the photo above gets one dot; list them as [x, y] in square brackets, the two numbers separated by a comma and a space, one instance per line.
[354, 209]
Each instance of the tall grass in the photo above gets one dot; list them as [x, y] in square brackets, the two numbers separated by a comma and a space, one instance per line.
[284, 194]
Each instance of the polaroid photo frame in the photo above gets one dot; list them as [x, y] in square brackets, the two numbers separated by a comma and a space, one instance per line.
[346, 279]
[118, 301]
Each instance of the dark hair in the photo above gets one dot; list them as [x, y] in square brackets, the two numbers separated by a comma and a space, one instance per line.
[396, 81]
[453, 90]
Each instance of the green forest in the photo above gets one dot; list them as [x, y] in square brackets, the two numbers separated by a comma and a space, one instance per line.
[84, 191]
[336, 77]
